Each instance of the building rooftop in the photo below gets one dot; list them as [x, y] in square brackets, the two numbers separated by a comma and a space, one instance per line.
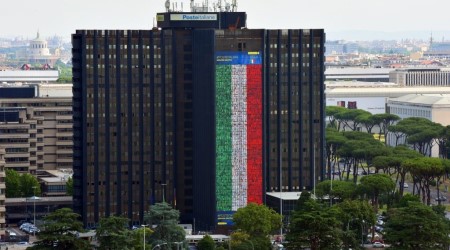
[12, 76]
[390, 91]
[425, 99]
[285, 195]
[357, 71]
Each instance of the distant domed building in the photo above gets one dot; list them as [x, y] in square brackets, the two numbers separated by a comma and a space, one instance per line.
[38, 52]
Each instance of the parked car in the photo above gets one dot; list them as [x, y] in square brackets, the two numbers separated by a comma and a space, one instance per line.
[378, 244]
[441, 198]
[378, 229]
[405, 185]
[24, 225]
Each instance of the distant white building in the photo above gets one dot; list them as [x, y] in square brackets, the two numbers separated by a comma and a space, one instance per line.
[373, 96]
[421, 77]
[434, 107]
[28, 76]
[363, 74]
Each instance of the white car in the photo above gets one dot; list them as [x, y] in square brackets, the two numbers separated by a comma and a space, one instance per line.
[378, 244]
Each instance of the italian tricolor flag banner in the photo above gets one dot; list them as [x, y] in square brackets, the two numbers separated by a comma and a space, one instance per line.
[239, 123]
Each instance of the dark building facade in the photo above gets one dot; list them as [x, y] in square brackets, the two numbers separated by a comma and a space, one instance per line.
[207, 117]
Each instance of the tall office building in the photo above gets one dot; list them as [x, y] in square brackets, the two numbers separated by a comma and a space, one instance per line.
[35, 131]
[200, 112]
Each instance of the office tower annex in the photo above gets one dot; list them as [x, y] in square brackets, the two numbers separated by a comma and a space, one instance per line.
[199, 112]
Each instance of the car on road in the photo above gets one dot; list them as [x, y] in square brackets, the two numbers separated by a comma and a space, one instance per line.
[378, 244]
[380, 222]
[379, 229]
[441, 198]
[405, 185]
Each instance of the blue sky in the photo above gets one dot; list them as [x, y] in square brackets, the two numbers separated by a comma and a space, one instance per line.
[63, 17]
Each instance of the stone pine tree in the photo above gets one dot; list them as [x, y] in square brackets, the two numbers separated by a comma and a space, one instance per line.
[375, 185]
[167, 232]
[207, 243]
[416, 226]
[60, 232]
[113, 233]
[313, 225]
[258, 221]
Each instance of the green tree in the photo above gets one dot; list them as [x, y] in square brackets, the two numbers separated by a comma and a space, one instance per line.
[356, 217]
[420, 133]
[242, 241]
[167, 229]
[21, 185]
[349, 118]
[313, 225]
[425, 171]
[113, 233]
[331, 111]
[336, 189]
[385, 121]
[206, 243]
[137, 236]
[69, 186]
[375, 185]
[257, 220]
[334, 139]
[60, 232]
[416, 226]
[29, 185]
[12, 181]
[65, 72]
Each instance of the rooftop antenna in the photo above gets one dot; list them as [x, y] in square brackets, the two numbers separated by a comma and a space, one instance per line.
[431, 40]
[227, 7]
[219, 5]
[167, 5]
[234, 6]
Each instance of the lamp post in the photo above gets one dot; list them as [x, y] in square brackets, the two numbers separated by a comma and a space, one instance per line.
[159, 246]
[281, 191]
[163, 185]
[362, 233]
[144, 234]
[251, 242]
[34, 198]
[178, 243]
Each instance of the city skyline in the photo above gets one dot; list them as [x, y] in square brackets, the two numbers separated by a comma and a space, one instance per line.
[349, 19]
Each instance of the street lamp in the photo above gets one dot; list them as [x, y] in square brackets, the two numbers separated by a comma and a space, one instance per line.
[163, 191]
[34, 198]
[251, 242]
[178, 243]
[144, 234]
[159, 246]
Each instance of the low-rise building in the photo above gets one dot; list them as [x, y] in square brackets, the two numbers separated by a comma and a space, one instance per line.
[434, 107]
[421, 77]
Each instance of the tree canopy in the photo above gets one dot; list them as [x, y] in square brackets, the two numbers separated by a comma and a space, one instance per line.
[21, 185]
[113, 233]
[257, 220]
[416, 226]
[374, 185]
[313, 225]
[60, 231]
[166, 220]
[206, 243]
